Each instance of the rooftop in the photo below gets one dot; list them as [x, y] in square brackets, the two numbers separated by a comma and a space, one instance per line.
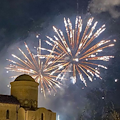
[24, 77]
[8, 99]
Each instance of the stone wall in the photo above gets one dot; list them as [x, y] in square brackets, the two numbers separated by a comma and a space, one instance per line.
[8, 111]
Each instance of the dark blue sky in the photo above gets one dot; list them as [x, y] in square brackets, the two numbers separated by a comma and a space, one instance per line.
[20, 20]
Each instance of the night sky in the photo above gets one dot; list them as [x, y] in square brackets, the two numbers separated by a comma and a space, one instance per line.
[21, 20]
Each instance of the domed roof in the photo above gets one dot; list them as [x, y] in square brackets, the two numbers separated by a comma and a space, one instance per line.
[24, 77]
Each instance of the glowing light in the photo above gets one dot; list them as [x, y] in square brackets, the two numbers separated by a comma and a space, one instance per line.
[116, 80]
[40, 70]
[37, 36]
[58, 117]
[79, 50]
[103, 98]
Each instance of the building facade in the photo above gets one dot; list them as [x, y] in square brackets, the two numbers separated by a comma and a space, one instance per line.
[22, 104]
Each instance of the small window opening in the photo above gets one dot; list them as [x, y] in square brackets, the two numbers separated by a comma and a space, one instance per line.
[7, 114]
[42, 116]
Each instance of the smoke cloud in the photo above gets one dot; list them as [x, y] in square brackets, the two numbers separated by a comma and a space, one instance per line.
[99, 6]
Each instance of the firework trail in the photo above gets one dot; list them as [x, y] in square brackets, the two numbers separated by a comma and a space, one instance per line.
[38, 69]
[78, 51]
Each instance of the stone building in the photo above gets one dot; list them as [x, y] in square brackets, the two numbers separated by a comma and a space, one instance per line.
[22, 104]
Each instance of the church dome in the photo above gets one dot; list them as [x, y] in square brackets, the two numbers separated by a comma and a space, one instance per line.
[24, 77]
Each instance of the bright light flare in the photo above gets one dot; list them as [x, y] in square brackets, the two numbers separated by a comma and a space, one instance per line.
[79, 50]
[34, 66]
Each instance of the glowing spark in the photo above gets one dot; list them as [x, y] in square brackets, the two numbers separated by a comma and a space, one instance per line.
[37, 36]
[103, 98]
[58, 117]
[116, 80]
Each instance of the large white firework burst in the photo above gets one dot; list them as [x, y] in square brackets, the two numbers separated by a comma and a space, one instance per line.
[79, 50]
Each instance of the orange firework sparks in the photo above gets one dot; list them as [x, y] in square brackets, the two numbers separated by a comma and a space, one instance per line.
[78, 51]
[34, 66]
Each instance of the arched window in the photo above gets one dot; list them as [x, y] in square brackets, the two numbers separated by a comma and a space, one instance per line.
[7, 114]
[42, 116]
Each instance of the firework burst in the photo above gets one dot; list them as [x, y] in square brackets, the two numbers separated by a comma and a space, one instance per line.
[77, 51]
[35, 66]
